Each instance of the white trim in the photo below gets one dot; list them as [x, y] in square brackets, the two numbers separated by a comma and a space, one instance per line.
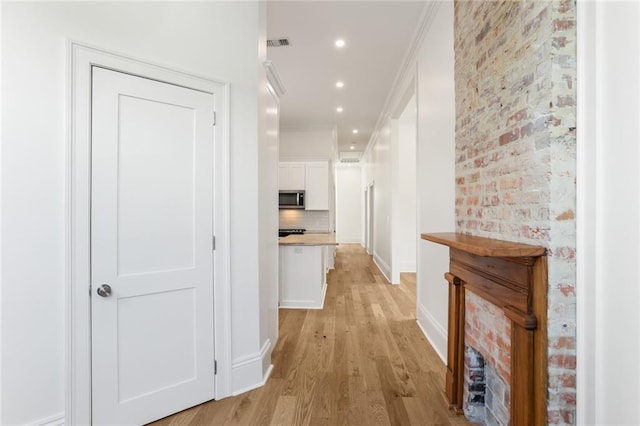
[247, 370]
[305, 304]
[408, 67]
[81, 58]
[55, 420]
[222, 308]
[433, 331]
[274, 78]
[383, 267]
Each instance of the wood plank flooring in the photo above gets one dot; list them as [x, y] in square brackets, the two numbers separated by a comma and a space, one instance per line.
[360, 361]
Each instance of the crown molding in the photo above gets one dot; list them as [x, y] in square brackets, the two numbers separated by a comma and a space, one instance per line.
[273, 78]
[406, 71]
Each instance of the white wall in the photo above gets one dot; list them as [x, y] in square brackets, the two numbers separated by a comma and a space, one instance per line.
[268, 223]
[403, 195]
[312, 143]
[436, 171]
[349, 203]
[213, 39]
[308, 143]
[377, 170]
[430, 63]
[608, 295]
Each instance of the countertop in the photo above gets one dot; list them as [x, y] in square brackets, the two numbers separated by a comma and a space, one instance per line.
[309, 240]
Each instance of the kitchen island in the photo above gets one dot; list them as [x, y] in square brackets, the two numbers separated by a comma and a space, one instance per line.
[304, 262]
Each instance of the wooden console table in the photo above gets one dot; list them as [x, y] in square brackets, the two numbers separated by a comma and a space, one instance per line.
[512, 276]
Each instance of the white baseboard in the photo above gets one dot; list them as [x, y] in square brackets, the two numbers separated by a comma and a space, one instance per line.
[365, 248]
[433, 331]
[247, 372]
[55, 420]
[382, 266]
[305, 304]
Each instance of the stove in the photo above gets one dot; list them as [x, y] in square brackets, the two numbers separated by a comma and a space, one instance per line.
[287, 232]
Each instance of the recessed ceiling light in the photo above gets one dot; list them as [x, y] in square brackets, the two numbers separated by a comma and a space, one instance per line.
[354, 131]
[353, 147]
[339, 42]
[339, 84]
[339, 109]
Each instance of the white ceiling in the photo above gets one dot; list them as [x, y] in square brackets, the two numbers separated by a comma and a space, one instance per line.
[377, 35]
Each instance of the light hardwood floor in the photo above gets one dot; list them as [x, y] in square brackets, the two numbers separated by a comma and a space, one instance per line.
[360, 361]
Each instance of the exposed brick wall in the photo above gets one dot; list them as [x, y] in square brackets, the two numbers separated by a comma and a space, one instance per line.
[488, 331]
[515, 150]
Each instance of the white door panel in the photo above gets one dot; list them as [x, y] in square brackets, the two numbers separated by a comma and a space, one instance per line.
[151, 231]
[150, 198]
[141, 360]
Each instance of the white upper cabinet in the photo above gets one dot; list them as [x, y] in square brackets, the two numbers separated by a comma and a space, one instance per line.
[310, 176]
[317, 185]
[291, 176]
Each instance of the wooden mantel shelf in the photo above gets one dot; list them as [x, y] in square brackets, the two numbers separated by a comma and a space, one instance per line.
[485, 247]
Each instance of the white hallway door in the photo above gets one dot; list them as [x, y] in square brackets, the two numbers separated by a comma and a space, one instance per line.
[151, 248]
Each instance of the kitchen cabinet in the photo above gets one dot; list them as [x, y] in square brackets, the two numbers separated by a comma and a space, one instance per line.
[329, 257]
[312, 176]
[317, 185]
[291, 176]
[303, 282]
[304, 262]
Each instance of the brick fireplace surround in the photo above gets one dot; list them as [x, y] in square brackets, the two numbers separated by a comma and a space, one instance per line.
[513, 277]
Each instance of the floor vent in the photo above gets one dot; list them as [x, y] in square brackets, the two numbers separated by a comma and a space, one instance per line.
[278, 42]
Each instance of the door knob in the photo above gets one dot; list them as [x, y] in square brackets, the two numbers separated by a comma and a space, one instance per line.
[104, 290]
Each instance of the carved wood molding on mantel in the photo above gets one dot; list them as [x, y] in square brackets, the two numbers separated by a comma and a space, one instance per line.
[512, 276]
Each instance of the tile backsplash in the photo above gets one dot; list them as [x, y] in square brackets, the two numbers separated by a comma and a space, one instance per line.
[311, 220]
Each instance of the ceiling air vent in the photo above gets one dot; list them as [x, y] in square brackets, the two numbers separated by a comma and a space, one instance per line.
[278, 42]
[350, 157]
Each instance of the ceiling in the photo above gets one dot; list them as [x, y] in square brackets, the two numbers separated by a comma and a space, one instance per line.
[377, 35]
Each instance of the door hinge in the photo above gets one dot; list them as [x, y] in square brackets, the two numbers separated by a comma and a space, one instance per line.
[215, 367]
[213, 242]
[214, 118]
[89, 290]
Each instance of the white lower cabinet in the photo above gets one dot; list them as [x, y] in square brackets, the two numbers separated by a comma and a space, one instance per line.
[303, 281]
[328, 255]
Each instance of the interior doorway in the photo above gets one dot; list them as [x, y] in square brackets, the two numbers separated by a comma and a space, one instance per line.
[152, 168]
[83, 227]
[369, 222]
[404, 234]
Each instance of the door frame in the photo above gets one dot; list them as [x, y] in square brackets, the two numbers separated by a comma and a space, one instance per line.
[370, 213]
[365, 222]
[81, 59]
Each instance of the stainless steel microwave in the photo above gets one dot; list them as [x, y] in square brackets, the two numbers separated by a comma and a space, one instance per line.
[291, 199]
